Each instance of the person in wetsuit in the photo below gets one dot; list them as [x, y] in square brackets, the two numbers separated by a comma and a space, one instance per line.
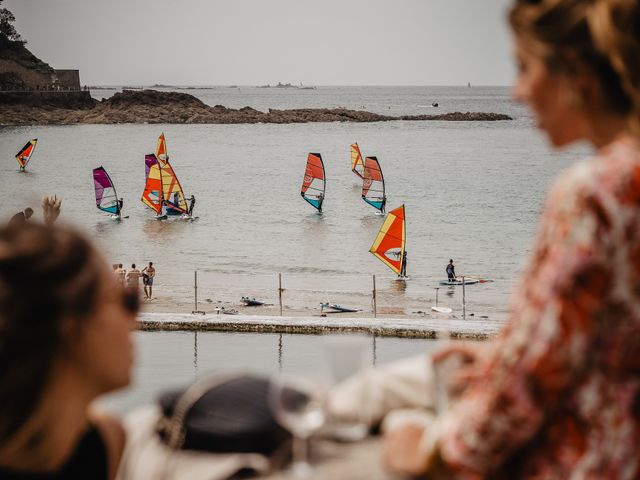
[451, 271]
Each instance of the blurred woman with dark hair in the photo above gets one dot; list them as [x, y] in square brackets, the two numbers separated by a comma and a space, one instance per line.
[65, 328]
[557, 395]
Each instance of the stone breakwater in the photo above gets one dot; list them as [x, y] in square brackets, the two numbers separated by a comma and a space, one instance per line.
[151, 106]
[381, 327]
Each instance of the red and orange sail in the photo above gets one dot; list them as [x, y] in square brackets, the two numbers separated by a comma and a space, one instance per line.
[153, 189]
[357, 165]
[24, 155]
[390, 242]
[314, 184]
[373, 184]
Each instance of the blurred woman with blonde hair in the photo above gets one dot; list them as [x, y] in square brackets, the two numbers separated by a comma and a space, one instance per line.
[557, 395]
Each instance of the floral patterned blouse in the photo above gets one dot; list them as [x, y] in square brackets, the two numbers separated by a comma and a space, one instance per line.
[559, 395]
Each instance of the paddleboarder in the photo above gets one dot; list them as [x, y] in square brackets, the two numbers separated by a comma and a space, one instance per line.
[451, 271]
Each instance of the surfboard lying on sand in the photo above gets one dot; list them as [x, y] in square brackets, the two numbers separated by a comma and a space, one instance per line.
[337, 308]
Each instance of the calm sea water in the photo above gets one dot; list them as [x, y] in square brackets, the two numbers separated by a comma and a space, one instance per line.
[473, 192]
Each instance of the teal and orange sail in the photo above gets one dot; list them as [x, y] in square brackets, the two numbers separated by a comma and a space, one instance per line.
[373, 184]
[25, 153]
[357, 165]
[389, 245]
[152, 196]
[314, 182]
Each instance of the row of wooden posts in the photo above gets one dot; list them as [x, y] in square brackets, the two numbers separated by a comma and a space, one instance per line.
[281, 290]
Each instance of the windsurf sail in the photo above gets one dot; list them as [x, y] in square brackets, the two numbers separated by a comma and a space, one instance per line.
[357, 165]
[172, 193]
[314, 184]
[373, 184]
[24, 155]
[390, 242]
[161, 150]
[106, 196]
[152, 194]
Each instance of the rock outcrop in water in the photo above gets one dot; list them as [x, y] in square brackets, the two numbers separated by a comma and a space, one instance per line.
[151, 106]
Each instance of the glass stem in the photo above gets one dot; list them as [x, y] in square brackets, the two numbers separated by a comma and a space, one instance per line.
[300, 451]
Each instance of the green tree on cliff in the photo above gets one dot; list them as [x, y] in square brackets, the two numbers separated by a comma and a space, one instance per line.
[6, 25]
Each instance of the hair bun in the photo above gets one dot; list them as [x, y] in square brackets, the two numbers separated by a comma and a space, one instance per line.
[615, 29]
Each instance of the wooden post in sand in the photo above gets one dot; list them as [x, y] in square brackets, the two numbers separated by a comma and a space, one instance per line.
[375, 307]
[280, 291]
[195, 294]
[464, 301]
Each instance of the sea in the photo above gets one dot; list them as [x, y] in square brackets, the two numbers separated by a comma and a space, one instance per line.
[473, 192]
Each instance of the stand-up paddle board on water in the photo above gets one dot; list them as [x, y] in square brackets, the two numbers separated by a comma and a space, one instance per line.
[467, 281]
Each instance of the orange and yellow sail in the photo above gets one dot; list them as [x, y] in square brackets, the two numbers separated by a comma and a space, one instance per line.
[24, 155]
[389, 245]
[161, 150]
[172, 191]
[357, 165]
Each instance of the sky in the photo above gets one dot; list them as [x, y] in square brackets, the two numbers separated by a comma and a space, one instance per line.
[255, 42]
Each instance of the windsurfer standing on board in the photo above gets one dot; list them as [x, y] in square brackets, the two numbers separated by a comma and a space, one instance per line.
[403, 265]
[451, 271]
[192, 202]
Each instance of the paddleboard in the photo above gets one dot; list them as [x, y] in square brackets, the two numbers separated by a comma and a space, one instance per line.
[441, 309]
[467, 281]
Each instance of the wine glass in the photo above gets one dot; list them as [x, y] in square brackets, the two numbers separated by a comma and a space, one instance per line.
[298, 405]
[348, 360]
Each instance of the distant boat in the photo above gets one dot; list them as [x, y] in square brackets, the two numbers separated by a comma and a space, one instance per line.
[264, 86]
[373, 191]
[106, 196]
[284, 85]
[314, 182]
[357, 165]
[389, 245]
[303, 87]
[24, 155]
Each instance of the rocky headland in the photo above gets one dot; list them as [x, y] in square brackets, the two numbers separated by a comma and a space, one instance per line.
[151, 106]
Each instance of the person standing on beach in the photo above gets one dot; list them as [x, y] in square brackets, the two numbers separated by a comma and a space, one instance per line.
[133, 277]
[150, 271]
[451, 271]
[120, 274]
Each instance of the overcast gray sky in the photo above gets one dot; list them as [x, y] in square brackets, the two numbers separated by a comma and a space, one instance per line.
[246, 42]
